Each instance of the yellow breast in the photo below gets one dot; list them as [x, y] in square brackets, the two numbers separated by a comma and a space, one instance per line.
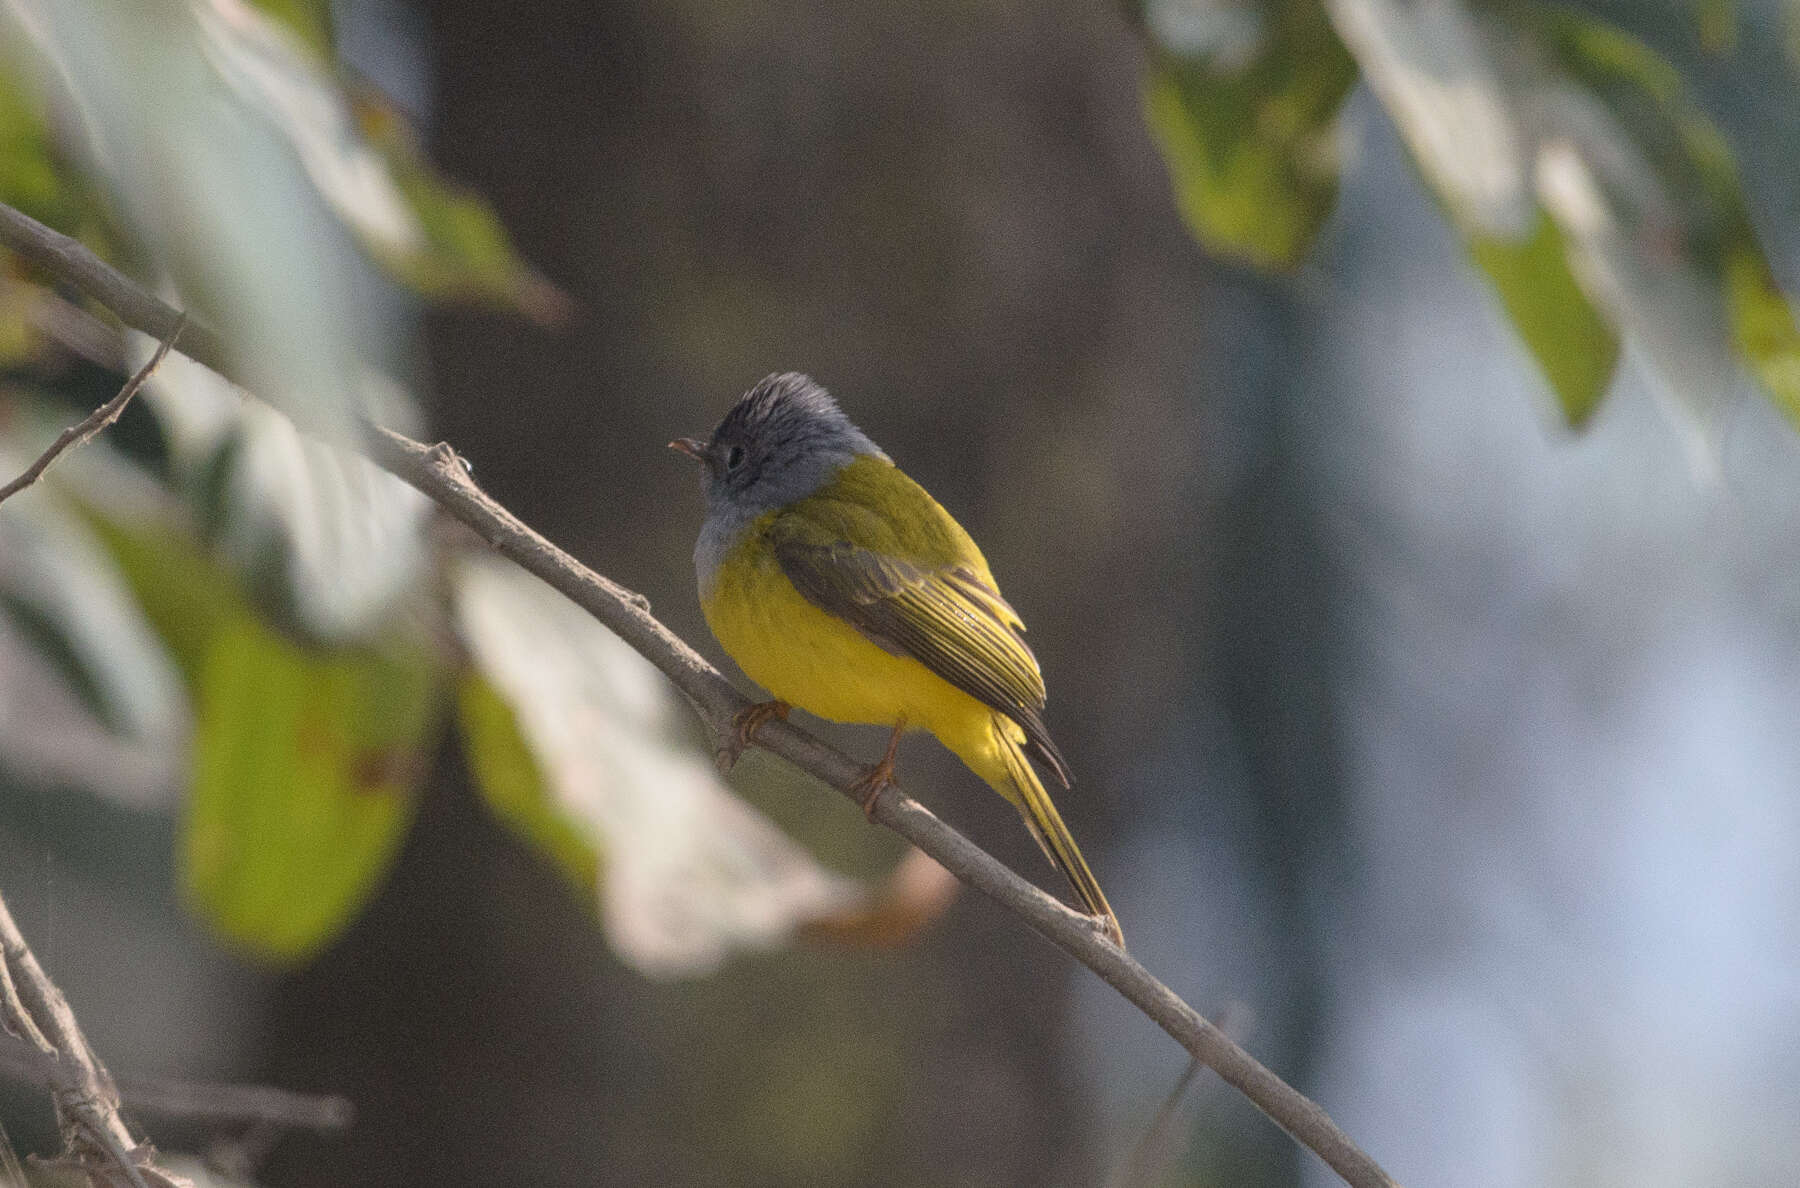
[815, 660]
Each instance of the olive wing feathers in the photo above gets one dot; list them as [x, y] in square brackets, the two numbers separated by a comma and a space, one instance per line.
[947, 617]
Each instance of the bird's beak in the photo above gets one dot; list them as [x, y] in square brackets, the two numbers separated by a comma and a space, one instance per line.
[693, 449]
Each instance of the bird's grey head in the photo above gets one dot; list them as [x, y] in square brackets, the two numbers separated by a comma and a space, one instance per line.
[780, 442]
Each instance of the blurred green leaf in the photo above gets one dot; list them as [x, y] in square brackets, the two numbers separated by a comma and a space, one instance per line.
[36, 180]
[1716, 21]
[309, 20]
[576, 742]
[1691, 278]
[29, 178]
[305, 770]
[325, 542]
[465, 254]
[305, 760]
[510, 780]
[1564, 332]
[1431, 68]
[187, 597]
[74, 603]
[1514, 112]
[206, 128]
[1763, 319]
[1242, 100]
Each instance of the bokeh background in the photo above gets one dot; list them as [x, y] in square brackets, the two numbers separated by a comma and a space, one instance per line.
[1448, 750]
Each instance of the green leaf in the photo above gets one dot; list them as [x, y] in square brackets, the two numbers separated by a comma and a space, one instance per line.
[1688, 228]
[1716, 21]
[305, 760]
[1515, 112]
[1572, 343]
[1431, 68]
[465, 254]
[308, 20]
[1763, 320]
[513, 785]
[29, 178]
[1245, 115]
[36, 179]
[304, 774]
[187, 597]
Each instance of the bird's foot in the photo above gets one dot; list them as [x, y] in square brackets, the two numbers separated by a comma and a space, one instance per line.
[869, 787]
[744, 726]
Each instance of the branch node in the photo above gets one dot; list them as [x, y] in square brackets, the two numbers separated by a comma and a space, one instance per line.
[443, 456]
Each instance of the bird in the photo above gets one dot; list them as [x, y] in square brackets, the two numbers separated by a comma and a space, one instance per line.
[841, 586]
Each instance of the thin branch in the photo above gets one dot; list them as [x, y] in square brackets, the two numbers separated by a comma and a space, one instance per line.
[87, 1104]
[102, 417]
[263, 1105]
[70, 261]
[438, 473]
[198, 1101]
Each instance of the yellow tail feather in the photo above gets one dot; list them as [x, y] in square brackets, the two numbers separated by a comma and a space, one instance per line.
[1047, 828]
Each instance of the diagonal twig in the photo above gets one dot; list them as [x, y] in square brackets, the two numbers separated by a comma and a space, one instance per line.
[87, 1104]
[197, 1101]
[82, 431]
[439, 473]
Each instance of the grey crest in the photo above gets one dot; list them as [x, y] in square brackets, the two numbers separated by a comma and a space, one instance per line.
[784, 439]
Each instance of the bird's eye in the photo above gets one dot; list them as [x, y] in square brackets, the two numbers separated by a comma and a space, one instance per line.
[735, 458]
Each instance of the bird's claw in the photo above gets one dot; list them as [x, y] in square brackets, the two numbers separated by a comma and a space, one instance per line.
[744, 725]
[869, 786]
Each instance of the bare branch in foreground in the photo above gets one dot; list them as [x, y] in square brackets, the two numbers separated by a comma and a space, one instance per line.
[81, 432]
[199, 1101]
[439, 473]
[95, 1138]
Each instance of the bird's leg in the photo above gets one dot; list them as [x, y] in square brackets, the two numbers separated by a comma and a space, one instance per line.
[880, 776]
[744, 726]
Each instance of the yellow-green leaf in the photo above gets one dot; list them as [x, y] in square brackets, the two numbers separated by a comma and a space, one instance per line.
[513, 785]
[1246, 121]
[1689, 224]
[465, 254]
[309, 20]
[1567, 336]
[186, 596]
[305, 770]
[1763, 321]
[1514, 112]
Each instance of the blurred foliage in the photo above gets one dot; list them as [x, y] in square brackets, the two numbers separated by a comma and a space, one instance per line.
[306, 760]
[271, 589]
[1243, 103]
[509, 777]
[575, 739]
[1568, 337]
[1699, 216]
[29, 179]
[306, 766]
[466, 254]
[1598, 201]
[457, 251]
[309, 20]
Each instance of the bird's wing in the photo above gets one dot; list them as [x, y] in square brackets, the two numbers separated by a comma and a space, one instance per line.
[949, 618]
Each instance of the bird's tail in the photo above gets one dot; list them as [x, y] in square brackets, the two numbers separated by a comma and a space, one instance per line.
[1046, 826]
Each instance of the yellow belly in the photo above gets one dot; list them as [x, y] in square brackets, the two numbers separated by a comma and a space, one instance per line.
[820, 663]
